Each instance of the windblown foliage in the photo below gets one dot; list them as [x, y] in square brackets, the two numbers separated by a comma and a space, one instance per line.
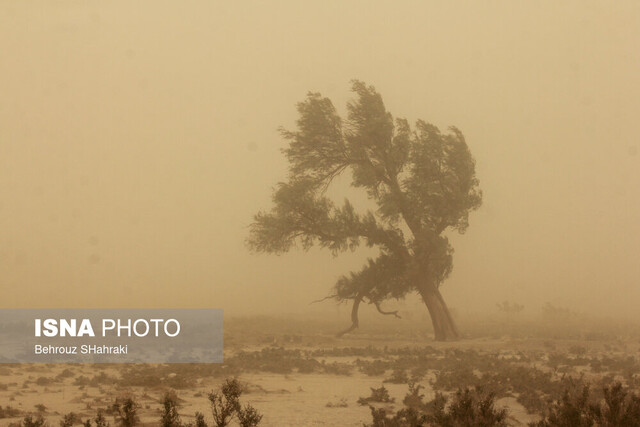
[422, 181]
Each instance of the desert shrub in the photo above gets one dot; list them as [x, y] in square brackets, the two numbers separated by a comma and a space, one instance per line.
[531, 386]
[68, 420]
[578, 408]
[125, 411]
[509, 308]
[398, 376]
[342, 403]
[200, 422]
[67, 373]
[336, 368]
[368, 351]
[307, 366]
[556, 313]
[249, 416]
[377, 395]
[101, 379]
[451, 379]
[277, 360]
[45, 381]
[571, 410]
[140, 376]
[404, 418]
[100, 420]
[413, 398]
[372, 368]
[81, 381]
[9, 412]
[226, 402]
[626, 366]
[179, 382]
[469, 408]
[225, 406]
[30, 421]
[418, 373]
[95, 381]
[170, 417]
[578, 350]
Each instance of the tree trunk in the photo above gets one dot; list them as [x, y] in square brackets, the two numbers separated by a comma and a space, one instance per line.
[354, 316]
[443, 325]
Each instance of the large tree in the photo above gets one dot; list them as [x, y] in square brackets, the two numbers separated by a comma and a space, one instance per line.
[422, 181]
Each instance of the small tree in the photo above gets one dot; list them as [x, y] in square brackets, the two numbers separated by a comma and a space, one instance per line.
[422, 181]
[170, 417]
[226, 402]
[225, 405]
[125, 411]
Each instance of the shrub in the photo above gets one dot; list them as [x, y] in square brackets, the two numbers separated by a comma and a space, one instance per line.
[377, 395]
[100, 420]
[226, 402]
[200, 420]
[170, 417]
[67, 373]
[9, 412]
[70, 419]
[249, 416]
[30, 421]
[125, 409]
[469, 408]
[398, 376]
[578, 408]
[342, 403]
[373, 368]
[45, 381]
[225, 405]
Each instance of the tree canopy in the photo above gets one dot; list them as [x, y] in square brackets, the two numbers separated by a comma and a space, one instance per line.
[422, 181]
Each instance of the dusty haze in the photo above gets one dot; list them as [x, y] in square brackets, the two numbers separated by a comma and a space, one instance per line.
[137, 141]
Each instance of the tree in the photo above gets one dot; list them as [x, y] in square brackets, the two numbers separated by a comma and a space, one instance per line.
[422, 181]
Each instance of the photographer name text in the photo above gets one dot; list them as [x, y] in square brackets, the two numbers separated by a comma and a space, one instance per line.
[83, 349]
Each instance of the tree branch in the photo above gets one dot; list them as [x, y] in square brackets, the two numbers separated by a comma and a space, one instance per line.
[388, 313]
[323, 299]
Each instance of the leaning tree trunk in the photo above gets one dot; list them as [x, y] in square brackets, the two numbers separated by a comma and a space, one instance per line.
[443, 325]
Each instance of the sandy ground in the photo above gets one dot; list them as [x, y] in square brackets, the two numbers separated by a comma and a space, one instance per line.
[285, 400]
[292, 399]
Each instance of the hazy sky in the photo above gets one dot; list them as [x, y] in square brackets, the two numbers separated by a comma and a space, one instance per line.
[137, 139]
